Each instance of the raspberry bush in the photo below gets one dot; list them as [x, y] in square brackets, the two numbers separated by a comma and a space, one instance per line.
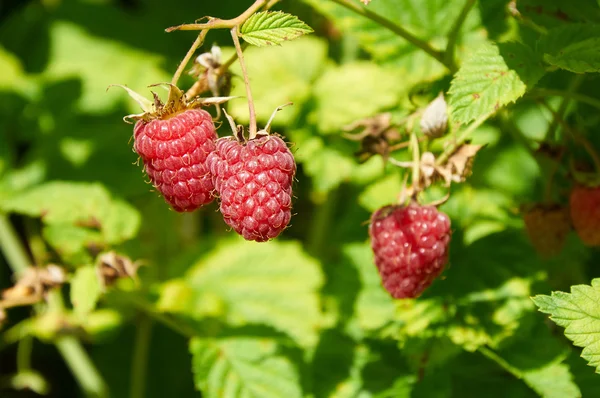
[421, 221]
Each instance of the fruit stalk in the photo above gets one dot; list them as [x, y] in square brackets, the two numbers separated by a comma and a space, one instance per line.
[238, 48]
[197, 43]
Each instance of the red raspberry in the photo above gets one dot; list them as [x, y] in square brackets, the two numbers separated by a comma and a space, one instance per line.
[174, 151]
[254, 182]
[547, 227]
[411, 247]
[585, 213]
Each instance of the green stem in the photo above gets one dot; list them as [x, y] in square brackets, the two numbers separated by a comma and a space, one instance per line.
[73, 353]
[139, 366]
[238, 48]
[464, 135]
[486, 352]
[197, 43]
[216, 23]
[82, 367]
[397, 29]
[577, 137]
[165, 319]
[13, 250]
[24, 350]
[454, 33]
[416, 162]
[321, 220]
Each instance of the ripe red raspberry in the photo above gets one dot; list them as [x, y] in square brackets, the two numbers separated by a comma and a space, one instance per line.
[174, 151]
[584, 203]
[410, 244]
[254, 183]
[547, 227]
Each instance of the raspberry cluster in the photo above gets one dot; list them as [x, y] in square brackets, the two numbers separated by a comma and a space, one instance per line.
[410, 244]
[190, 167]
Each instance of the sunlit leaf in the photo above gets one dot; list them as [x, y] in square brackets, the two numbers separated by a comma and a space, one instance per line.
[573, 47]
[245, 367]
[492, 77]
[272, 27]
[87, 205]
[578, 312]
[85, 290]
[273, 283]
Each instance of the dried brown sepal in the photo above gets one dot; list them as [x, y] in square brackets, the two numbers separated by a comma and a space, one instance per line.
[376, 134]
[459, 164]
[177, 102]
[455, 169]
[33, 286]
[112, 266]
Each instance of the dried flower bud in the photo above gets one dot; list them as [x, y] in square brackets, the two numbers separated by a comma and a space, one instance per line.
[434, 121]
[112, 266]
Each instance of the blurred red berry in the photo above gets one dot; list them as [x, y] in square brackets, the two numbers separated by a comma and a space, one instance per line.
[584, 204]
[410, 244]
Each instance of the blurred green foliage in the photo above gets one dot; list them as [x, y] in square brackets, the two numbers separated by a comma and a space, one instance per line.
[304, 315]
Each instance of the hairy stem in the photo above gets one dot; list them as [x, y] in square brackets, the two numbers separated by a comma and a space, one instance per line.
[397, 29]
[216, 23]
[197, 43]
[449, 57]
[238, 48]
[139, 366]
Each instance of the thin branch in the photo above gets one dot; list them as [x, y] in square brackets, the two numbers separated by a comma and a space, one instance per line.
[216, 23]
[454, 33]
[543, 92]
[397, 29]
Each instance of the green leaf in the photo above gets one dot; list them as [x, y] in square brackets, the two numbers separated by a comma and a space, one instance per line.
[279, 76]
[553, 13]
[245, 367]
[72, 243]
[274, 283]
[13, 77]
[428, 20]
[382, 192]
[80, 204]
[579, 313]
[75, 52]
[361, 86]
[575, 48]
[374, 307]
[537, 357]
[493, 76]
[85, 290]
[269, 28]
